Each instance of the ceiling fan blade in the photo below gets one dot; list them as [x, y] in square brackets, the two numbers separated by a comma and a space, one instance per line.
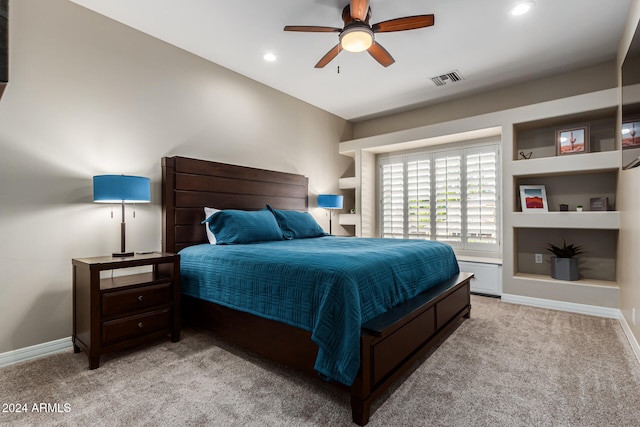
[380, 54]
[329, 56]
[312, 29]
[359, 9]
[401, 24]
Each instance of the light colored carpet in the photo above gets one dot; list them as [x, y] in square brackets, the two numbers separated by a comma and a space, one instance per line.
[509, 365]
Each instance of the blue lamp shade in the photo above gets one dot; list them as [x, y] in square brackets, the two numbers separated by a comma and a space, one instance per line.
[329, 201]
[121, 189]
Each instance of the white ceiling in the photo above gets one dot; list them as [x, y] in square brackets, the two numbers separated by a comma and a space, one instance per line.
[479, 38]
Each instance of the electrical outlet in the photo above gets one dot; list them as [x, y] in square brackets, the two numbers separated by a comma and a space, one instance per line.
[633, 316]
[538, 258]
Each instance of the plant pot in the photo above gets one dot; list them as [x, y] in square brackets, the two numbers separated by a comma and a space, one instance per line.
[564, 268]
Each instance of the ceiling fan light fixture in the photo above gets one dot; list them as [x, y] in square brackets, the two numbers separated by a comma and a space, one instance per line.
[357, 38]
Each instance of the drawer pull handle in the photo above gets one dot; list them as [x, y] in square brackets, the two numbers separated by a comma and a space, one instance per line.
[140, 324]
[140, 298]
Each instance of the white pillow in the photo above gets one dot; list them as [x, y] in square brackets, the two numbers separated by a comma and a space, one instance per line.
[207, 213]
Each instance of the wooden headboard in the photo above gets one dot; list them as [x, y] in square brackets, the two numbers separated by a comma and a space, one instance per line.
[188, 185]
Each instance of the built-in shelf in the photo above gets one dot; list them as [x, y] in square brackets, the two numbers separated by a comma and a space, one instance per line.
[572, 180]
[587, 292]
[568, 164]
[609, 220]
[348, 219]
[351, 186]
[537, 139]
[581, 282]
[347, 183]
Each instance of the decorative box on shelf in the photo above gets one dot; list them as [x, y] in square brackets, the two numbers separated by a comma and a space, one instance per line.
[599, 204]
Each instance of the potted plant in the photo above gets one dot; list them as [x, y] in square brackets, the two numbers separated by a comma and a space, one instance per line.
[563, 264]
[579, 208]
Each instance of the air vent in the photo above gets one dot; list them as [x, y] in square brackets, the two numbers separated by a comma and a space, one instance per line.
[447, 79]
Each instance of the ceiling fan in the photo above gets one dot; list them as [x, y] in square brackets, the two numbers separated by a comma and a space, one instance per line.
[357, 35]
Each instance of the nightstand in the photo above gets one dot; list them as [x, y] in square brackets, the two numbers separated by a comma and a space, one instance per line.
[114, 308]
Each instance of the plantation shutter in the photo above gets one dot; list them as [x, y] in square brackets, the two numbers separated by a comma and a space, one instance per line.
[451, 196]
[482, 197]
[448, 189]
[419, 197]
[393, 206]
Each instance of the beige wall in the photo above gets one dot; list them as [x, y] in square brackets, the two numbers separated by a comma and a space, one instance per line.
[589, 79]
[629, 206]
[90, 96]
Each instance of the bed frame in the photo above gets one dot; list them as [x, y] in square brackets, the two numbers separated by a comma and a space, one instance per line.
[390, 343]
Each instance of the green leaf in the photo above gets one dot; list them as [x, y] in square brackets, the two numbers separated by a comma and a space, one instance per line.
[566, 251]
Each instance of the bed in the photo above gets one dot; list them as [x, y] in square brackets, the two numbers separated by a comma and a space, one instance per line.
[386, 342]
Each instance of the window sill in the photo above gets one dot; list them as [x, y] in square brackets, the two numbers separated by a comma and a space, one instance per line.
[479, 259]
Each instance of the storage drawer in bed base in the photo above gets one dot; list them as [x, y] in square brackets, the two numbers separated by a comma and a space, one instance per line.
[447, 309]
[391, 351]
[395, 342]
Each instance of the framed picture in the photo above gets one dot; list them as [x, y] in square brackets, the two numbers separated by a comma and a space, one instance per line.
[572, 141]
[533, 198]
[631, 134]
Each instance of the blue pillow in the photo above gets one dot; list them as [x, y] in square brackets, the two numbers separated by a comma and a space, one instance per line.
[235, 226]
[297, 225]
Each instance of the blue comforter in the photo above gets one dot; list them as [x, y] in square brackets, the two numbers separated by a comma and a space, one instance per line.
[328, 286]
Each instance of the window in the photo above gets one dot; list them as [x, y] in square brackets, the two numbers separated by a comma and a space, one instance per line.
[450, 196]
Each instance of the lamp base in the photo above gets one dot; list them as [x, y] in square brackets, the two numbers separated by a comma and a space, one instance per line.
[122, 254]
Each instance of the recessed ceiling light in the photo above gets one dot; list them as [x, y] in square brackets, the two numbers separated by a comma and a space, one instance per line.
[521, 8]
[269, 57]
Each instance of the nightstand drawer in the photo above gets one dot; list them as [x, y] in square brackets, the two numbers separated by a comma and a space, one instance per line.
[122, 302]
[117, 330]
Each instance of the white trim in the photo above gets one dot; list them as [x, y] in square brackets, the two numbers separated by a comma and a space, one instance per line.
[35, 351]
[632, 339]
[592, 310]
[479, 259]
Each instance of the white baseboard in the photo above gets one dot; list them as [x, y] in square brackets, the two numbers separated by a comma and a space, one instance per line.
[38, 350]
[632, 339]
[592, 310]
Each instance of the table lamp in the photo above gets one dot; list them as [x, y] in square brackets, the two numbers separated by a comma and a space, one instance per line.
[329, 201]
[121, 189]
